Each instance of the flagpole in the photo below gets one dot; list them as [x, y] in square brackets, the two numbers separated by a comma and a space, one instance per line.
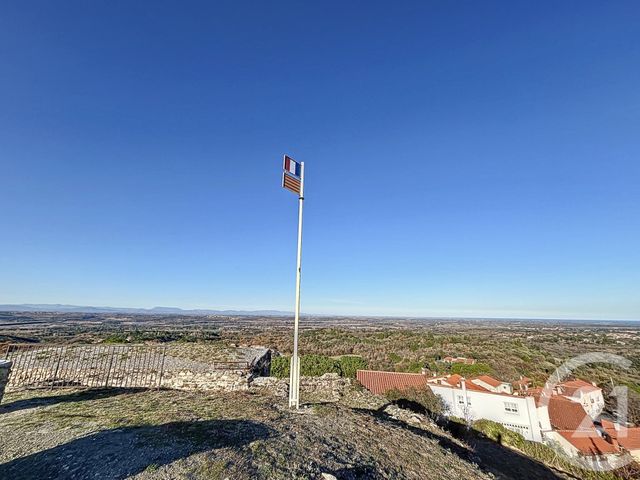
[294, 384]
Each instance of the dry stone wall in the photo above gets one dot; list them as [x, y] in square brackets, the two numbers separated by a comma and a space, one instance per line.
[217, 380]
[330, 387]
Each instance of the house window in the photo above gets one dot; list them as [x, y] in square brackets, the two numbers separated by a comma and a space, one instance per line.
[510, 407]
[460, 399]
[521, 429]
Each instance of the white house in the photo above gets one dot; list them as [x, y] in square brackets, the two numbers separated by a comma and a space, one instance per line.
[627, 438]
[586, 394]
[491, 384]
[472, 401]
[587, 447]
[559, 418]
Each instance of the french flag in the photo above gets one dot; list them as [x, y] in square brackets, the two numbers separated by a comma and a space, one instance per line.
[291, 166]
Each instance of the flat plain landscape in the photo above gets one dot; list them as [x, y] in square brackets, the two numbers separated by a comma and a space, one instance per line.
[181, 434]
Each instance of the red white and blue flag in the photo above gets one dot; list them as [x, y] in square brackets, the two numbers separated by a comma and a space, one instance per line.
[291, 175]
[291, 166]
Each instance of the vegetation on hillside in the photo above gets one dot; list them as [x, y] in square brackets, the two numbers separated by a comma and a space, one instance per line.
[318, 365]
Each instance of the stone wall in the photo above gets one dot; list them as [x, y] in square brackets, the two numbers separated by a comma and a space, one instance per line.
[213, 380]
[218, 379]
[330, 387]
[5, 368]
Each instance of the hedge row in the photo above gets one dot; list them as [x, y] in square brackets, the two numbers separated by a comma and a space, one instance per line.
[317, 365]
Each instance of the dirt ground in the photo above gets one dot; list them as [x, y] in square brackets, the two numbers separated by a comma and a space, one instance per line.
[117, 434]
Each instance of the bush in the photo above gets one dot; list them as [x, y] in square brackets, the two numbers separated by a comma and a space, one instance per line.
[318, 365]
[280, 367]
[471, 370]
[421, 400]
[499, 433]
[350, 365]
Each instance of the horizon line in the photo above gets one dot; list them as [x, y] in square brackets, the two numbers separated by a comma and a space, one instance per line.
[42, 307]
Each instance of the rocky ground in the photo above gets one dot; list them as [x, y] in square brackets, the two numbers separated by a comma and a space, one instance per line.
[117, 434]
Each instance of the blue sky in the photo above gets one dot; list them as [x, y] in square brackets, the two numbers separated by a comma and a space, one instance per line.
[462, 158]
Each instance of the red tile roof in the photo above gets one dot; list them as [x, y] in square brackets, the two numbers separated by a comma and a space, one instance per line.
[380, 382]
[629, 438]
[454, 379]
[588, 443]
[534, 392]
[478, 388]
[523, 382]
[572, 386]
[488, 380]
[609, 427]
[567, 415]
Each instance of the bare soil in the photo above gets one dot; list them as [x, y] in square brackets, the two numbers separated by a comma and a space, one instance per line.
[117, 434]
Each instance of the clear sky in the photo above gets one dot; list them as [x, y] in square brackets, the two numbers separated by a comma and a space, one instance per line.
[463, 158]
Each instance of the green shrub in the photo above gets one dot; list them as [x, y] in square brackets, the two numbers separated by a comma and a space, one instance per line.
[394, 357]
[280, 367]
[310, 366]
[318, 365]
[350, 365]
[423, 397]
[499, 433]
[471, 370]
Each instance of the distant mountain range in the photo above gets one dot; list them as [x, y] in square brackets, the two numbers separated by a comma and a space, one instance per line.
[150, 311]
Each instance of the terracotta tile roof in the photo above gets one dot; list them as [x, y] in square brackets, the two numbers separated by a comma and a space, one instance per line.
[478, 388]
[567, 415]
[454, 380]
[534, 392]
[572, 386]
[488, 380]
[588, 443]
[380, 382]
[523, 381]
[629, 438]
[609, 427]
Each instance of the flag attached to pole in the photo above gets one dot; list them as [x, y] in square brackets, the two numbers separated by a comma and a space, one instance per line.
[291, 174]
[291, 166]
[293, 180]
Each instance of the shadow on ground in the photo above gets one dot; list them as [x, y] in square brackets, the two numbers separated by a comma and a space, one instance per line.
[89, 394]
[120, 453]
[491, 457]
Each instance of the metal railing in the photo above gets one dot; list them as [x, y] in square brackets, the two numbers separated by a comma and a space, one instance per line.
[51, 366]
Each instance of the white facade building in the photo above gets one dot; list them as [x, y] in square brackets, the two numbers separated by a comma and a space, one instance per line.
[586, 394]
[473, 402]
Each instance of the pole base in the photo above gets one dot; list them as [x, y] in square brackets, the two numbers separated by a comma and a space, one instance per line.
[294, 383]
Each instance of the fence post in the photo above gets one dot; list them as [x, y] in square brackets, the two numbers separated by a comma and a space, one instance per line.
[164, 352]
[55, 373]
[106, 382]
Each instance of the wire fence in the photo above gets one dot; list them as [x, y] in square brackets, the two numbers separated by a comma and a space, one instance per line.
[51, 366]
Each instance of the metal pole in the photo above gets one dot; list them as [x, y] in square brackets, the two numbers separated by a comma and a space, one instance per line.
[294, 386]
